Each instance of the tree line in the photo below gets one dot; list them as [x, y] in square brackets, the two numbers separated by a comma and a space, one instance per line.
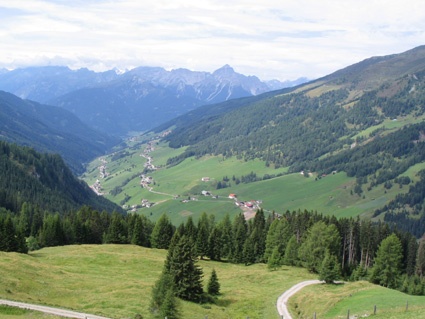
[298, 238]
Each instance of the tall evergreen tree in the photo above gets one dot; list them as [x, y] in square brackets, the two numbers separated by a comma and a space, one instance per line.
[162, 233]
[320, 238]
[290, 257]
[386, 270]
[330, 269]
[202, 236]
[187, 275]
[226, 237]
[213, 287]
[240, 230]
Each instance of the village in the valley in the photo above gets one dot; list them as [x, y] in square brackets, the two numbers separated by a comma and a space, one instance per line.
[146, 181]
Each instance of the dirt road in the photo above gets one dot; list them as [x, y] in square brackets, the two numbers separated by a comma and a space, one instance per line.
[283, 299]
[51, 310]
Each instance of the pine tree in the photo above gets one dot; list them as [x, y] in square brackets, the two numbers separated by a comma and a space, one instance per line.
[187, 275]
[225, 227]
[169, 306]
[330, 269]
[162, 233]
[291, 252]
[320, 238]
[386, 270]
[213, 287]
[239, 238]
[215, 244]
[275, 259]
[202, 236]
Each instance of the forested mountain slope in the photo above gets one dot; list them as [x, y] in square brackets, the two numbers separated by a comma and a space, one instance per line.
[44, 181]
[50, 129]
[366, 120]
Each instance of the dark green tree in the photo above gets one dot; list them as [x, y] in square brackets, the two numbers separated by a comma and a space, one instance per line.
[239, 237]
[319, 239]
[290, 257]
[202, 236]
[186, 274]
[330, 269]
[162, 233]
[213, 287]
[169, 306]
[275, 259]
[164, 287]
[386, 270]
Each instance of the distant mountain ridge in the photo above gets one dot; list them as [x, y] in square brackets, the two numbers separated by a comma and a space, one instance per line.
[135, 100]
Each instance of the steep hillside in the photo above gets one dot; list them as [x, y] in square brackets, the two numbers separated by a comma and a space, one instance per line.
[50, 129]
[42, 180]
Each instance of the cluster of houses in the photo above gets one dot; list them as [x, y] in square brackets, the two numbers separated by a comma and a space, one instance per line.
[149, 148]
[251, 204]
[97, 188]
[102, 169]
[145, 181]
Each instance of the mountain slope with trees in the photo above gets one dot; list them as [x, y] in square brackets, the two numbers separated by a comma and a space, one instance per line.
[51, 129]
[44, 182]
[366, 120]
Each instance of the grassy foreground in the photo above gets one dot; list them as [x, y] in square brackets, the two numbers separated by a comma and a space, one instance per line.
[116, 280]
[360, 298]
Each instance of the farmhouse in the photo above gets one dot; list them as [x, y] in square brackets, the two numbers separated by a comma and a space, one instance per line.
[232, 196]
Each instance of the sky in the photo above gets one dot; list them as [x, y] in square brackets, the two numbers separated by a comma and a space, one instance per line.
[271, 39]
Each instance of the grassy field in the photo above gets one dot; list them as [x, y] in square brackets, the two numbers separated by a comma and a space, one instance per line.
[7, 312]
[328, 195]
[116, 281]
[360, 298]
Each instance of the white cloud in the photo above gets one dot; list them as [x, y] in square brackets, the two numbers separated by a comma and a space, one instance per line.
[271, 39]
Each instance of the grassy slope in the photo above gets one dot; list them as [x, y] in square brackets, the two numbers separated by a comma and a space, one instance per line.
[334, 301]
[116, 281]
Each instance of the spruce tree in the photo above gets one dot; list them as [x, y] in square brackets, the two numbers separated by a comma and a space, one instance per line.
[291, 252]
[162, 233]
[186, 274]
[329, 270]
[386, 270]
[275, 259]
[213, 287]
[169, 306]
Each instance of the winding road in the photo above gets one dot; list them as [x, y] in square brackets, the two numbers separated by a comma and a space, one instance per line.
[51, 310]
[281, 304]
[283, 299]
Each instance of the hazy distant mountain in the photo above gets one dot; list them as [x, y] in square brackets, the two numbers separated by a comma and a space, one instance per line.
[42, 84]
[145, 97]
[50, 129]
[277, 85]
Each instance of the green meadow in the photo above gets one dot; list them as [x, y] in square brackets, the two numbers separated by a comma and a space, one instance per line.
[172, 186]
[357, 298]
[115, 281]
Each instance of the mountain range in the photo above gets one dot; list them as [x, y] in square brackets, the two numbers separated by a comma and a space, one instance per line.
[136, 100]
